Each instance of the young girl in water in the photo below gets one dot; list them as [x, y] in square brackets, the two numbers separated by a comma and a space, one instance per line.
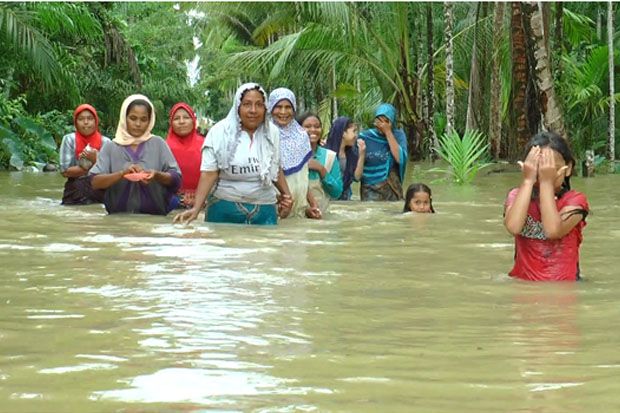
[545, 215]
[419, 199]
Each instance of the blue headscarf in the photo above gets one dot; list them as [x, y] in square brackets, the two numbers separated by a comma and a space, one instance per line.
[379, 158]
[334, 140]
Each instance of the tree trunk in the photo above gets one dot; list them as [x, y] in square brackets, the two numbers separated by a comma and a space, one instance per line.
[549, 106]
[449, 19]
[430, 104]
[520, 133]
[495, 120]
[611, 138]
[473, 97]
[558, 39]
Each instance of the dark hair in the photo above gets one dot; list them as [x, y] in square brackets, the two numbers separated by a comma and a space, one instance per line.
[334, 140]
[307, 115]
[140, 102]
[558, 144]
[414, 189]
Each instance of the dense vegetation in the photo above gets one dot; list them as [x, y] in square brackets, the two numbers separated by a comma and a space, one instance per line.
[486, 67]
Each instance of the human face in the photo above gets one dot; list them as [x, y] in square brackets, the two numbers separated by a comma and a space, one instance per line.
[283, 112]
[421, 202]
[350, 135]
[137, 120]
[252, 110]
[182, 122]
[313, 126]
[85, 123]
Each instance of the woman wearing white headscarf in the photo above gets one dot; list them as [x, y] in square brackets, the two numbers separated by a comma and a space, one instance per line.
[137, 170]
[241, 166]
[295, 151]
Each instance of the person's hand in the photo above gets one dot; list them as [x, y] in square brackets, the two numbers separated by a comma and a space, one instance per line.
[185, 217]
[361, 146]
[383, 124]
[90, 154]
[313, 213]
[529, 167]
[315, 165]
[285, 204]
[547, 172]
[133, 168]
[189, 198]
[148, 178]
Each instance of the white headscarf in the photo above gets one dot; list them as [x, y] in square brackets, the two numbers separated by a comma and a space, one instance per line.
[295, 149]
[122, 136]
[225, 135]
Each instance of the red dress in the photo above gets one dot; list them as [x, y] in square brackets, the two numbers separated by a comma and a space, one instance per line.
[540, 259]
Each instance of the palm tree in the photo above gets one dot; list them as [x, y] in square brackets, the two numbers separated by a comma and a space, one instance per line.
[430, 104]
[449, 24]
[495, 120]
[611, 139]
[552, 114]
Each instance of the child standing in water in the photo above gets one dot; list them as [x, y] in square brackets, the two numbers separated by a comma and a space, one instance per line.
[545, 215]
[419, 198]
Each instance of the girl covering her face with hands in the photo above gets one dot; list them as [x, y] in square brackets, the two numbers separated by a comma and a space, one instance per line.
[545, 215]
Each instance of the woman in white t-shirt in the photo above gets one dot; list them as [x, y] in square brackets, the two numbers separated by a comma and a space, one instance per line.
[240, 167]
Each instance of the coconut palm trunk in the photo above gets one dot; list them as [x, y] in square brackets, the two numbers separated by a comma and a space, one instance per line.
[430, 104]
[520, 131]
[449, 23]
[495, 120]
[611, 139]
[553, 118]
[473, 97]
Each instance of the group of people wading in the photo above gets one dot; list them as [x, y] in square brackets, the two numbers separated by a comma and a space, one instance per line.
[261, 164]
[255, 166]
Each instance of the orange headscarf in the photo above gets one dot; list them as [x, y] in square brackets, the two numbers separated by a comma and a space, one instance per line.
[187, 150]
[94, 139]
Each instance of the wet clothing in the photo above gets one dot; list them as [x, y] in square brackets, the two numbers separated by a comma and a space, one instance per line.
[78, 191]
[295, 152]
[540, 259]
[223, 211]
[247, 168]
[136, 197]
[348, 163]
[383, 174]
[330, 187]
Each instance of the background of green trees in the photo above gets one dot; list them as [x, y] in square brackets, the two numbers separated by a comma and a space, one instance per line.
[339, 58]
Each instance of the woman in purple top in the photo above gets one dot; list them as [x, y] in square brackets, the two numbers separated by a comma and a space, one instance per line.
[137, 170]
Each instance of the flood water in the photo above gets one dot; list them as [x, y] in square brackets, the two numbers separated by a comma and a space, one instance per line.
[366, 311]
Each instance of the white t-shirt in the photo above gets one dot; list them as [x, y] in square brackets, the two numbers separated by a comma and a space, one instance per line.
[240, 182]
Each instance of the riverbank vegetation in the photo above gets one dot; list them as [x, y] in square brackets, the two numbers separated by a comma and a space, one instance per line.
[503, 70]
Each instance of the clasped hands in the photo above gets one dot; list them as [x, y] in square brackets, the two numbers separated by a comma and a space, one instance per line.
[540, 165]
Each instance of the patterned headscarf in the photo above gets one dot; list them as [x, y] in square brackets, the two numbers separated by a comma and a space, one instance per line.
[295, 149]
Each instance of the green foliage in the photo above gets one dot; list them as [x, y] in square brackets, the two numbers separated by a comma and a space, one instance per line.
[464, 155]
[28, 140]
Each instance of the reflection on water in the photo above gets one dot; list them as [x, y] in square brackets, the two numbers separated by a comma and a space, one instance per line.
[369, 310]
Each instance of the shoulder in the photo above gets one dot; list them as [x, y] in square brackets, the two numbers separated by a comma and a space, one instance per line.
[575, 198]
[68, 138]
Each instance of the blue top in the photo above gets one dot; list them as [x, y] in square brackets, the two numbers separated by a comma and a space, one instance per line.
[379, 159]
[332, 183]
